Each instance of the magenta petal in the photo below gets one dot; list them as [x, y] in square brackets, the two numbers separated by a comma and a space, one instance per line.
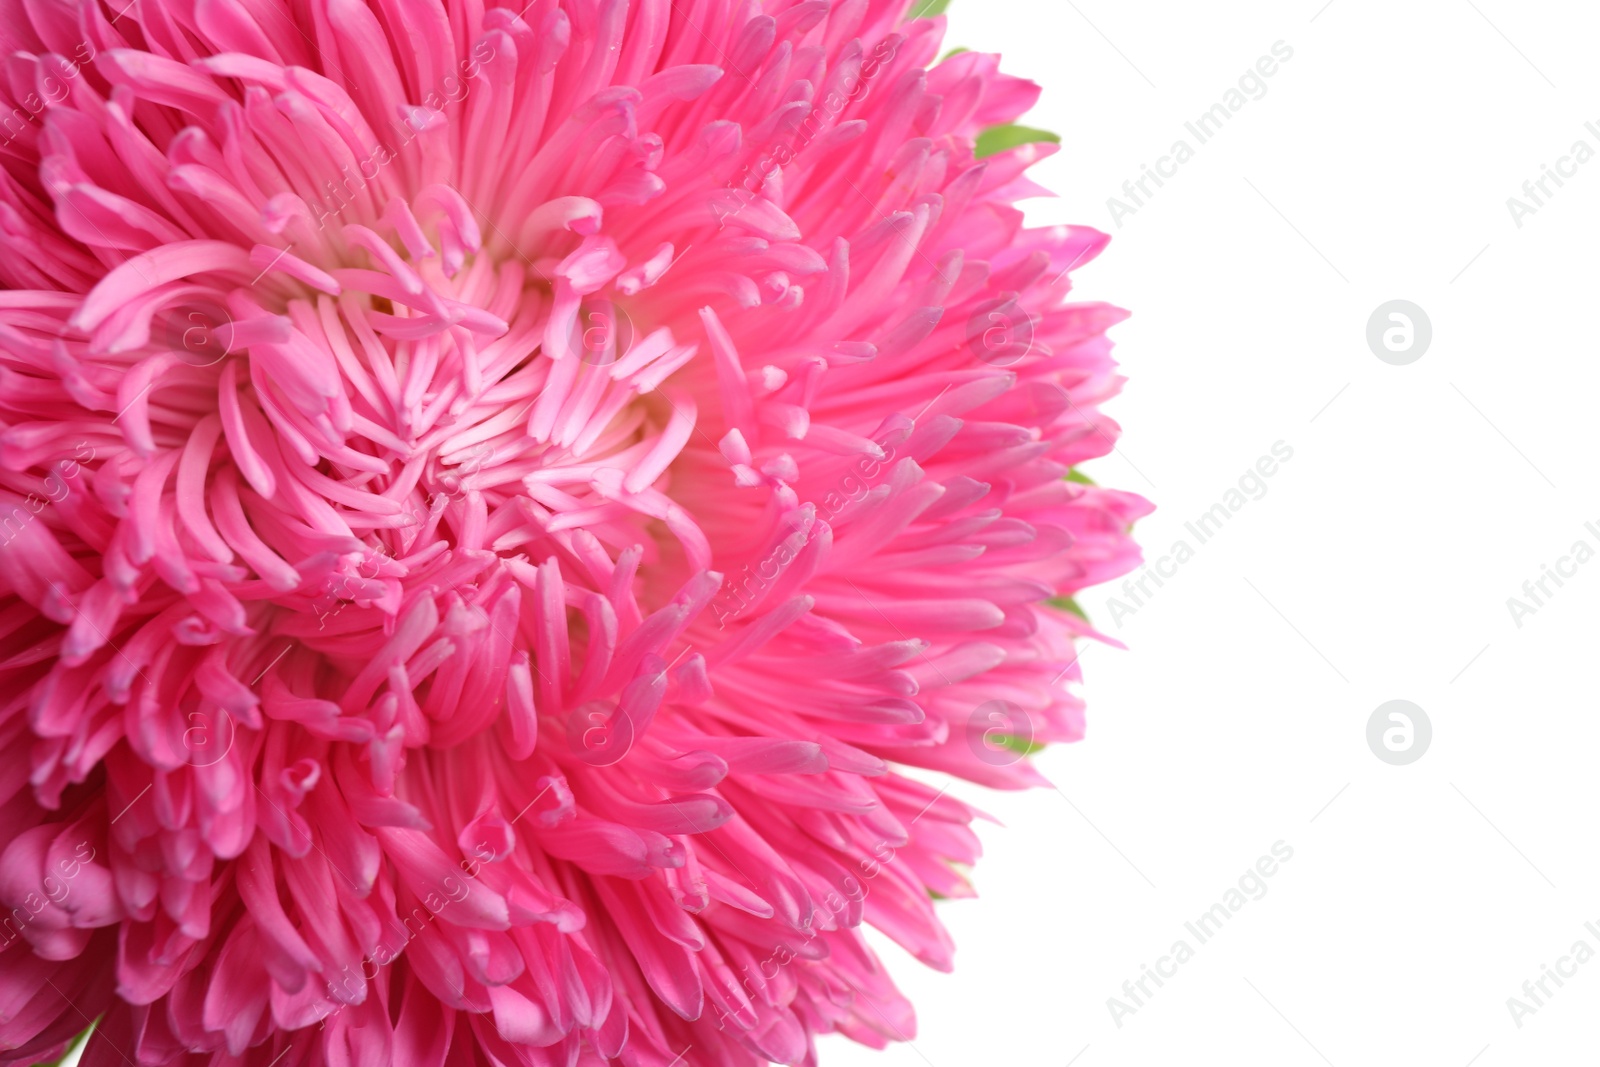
[493, 501]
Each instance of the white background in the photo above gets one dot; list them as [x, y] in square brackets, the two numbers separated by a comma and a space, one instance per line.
[1376, 567]
[1419, 898]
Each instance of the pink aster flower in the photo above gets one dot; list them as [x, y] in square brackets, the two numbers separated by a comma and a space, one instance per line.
[490, 496]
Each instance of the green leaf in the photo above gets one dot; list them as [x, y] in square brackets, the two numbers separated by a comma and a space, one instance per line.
[73, 1050]
[1066, 603]
[956, 51]
[999, 138]
[926, 9]
[1075, 475]
[1017, 744]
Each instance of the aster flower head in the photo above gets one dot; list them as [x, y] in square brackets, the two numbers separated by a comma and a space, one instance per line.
[492, 499]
